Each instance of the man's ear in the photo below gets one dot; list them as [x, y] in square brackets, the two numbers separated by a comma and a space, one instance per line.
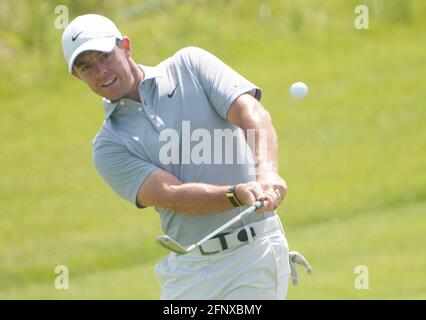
[127, 46]
[75, 74]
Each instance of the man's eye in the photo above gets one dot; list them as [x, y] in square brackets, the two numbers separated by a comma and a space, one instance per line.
[85, 67]
[105, 55]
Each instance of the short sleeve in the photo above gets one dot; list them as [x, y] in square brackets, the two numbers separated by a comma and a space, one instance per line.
[121, 170]
[221, 83]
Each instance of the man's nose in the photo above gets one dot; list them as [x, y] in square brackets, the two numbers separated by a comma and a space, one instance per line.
[100, 70]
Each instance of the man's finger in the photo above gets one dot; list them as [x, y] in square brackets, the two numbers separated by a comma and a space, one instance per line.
[269, 202]
[280, 195]
[274, 198]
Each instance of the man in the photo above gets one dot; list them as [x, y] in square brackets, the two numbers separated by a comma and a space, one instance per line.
[161, 145]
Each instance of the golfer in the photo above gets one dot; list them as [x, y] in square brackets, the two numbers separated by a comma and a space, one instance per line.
[176, 137]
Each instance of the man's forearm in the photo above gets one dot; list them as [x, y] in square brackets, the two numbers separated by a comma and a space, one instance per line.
[199, 198]
[164, 190]
[260, 134]
[266, 146]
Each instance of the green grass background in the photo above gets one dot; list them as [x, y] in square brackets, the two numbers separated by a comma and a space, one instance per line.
[352, 152]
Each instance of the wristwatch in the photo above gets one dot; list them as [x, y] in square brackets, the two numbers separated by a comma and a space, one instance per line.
[230, 194]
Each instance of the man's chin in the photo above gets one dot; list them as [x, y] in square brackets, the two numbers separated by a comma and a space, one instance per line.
[111, 97]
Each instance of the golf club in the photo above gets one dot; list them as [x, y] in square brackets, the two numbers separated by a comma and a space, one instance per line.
[172, 245]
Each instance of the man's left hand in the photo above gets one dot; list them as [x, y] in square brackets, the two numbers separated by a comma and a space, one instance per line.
[274, 187]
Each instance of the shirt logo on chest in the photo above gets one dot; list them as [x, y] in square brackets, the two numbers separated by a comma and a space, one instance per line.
[173, 92]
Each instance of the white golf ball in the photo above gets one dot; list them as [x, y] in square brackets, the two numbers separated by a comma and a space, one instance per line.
[299, 90]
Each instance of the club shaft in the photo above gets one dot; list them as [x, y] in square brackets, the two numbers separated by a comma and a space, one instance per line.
[229, 223]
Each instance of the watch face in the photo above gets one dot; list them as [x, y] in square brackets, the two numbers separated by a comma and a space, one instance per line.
[231, 189]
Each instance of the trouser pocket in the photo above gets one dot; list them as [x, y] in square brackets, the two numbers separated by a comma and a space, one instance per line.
[279, 248]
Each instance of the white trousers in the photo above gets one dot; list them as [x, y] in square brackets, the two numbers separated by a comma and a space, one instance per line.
[257, 270]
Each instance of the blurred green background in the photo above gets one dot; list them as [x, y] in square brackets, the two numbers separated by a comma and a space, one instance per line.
[353, 152]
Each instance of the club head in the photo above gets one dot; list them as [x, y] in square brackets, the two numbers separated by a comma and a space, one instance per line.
[171, 244]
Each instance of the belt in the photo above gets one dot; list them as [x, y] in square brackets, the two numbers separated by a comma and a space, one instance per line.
[227, 240]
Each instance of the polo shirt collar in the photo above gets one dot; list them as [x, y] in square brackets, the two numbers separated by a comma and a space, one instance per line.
[149, 72]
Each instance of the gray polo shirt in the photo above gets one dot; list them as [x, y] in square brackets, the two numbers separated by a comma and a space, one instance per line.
[179, 127]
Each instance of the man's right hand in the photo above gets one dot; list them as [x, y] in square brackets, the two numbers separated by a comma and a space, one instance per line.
[250, 192]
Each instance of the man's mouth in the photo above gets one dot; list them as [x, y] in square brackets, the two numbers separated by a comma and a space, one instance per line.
[109, 83]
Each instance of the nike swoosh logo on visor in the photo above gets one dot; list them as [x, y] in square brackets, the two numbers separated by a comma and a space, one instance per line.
[76, 36]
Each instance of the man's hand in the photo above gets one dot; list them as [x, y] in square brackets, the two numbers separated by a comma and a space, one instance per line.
[273, 185]
[249, 193]
[294, 258]
[272, 181]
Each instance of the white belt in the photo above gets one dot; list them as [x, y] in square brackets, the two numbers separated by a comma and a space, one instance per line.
[224, 241]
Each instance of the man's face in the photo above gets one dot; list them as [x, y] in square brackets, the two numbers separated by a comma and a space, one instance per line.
[107, 73]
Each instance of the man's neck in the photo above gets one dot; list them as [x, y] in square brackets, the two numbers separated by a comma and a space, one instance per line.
[139, 76]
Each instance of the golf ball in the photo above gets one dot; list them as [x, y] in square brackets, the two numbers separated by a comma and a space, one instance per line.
[299, 90]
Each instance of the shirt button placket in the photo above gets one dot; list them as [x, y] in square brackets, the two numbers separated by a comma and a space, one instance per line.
[149, 112]
[151, 115]
[141, 93]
